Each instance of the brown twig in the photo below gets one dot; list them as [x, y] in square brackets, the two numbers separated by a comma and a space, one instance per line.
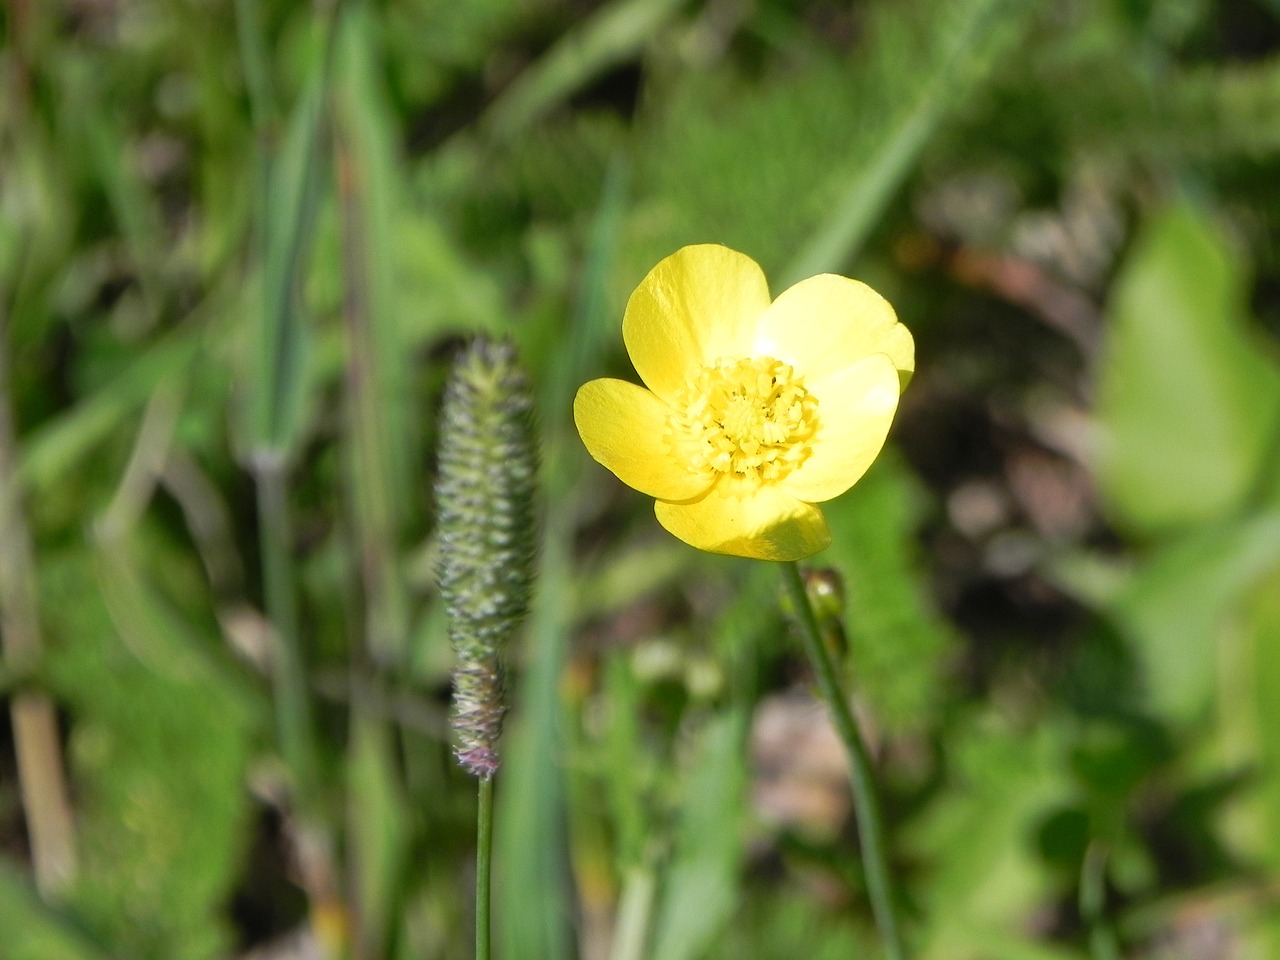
[45, 801]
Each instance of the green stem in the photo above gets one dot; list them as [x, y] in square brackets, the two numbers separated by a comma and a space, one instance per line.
[292, 708]
[870, 828]
[255, 63]
[484, 860]
[635, 913]
[1103, 944]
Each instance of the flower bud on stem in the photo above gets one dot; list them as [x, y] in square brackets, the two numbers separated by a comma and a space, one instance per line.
[875, 862]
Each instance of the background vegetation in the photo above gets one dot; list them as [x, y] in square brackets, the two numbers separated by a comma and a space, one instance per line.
[238, 243]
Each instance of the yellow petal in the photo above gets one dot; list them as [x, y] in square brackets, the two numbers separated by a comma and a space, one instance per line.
[855, 408]
[827, 322]
[622, 426]
[768, 524]
[699, 304]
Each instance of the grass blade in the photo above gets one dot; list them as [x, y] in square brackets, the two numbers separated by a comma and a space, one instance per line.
[876, 178]
[616, 32]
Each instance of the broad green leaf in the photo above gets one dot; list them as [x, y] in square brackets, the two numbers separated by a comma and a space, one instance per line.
[1174, 608]
[1187, 404]
[35, 931]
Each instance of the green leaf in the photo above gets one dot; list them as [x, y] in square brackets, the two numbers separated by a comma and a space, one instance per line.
[1264, 625]
[378, 832]
[898, 643]
[1174, 608]
[797, 168]
[773, 924]
[104, 142]
[37, 230]
[291, 186]
[35, 931]
[701, 888]
[60, 445]
[964, 40]
[378, 443]
[159, 750]
[625, 764]
[1187, 404]
[532, 899]
[531, 790]
[616, 31]
[985, 875]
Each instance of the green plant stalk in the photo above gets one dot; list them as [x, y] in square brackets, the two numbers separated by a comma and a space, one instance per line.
[292, 709]
[373, 506]
[372, 427]
[280, 245]
[1093, 893]
[635, 914]
[484, 862]
[257, 81]
[256, 67]
[487, 530]
[870, 828]
[295, 730]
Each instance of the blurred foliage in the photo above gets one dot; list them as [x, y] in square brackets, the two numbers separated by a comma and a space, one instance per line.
[240, 241]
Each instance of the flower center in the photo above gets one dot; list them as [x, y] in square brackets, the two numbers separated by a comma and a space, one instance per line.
[749, 420]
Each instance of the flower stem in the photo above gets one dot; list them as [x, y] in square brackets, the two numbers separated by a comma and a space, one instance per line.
[870, 828]
[484, 859]
[1103, 944]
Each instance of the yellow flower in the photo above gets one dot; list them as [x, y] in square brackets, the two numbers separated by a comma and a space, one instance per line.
[756, 410]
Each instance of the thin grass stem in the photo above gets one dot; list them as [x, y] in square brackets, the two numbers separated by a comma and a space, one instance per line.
[484, 863]
[256, 66]
[292, 708]
[867, 807]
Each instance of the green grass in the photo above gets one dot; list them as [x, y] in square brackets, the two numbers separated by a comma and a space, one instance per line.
[238, 246]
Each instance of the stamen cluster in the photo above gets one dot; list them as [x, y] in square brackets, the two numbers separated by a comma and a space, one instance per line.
[750, 420]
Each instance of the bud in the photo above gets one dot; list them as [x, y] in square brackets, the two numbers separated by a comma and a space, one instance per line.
[484, 496]
[824, 588]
